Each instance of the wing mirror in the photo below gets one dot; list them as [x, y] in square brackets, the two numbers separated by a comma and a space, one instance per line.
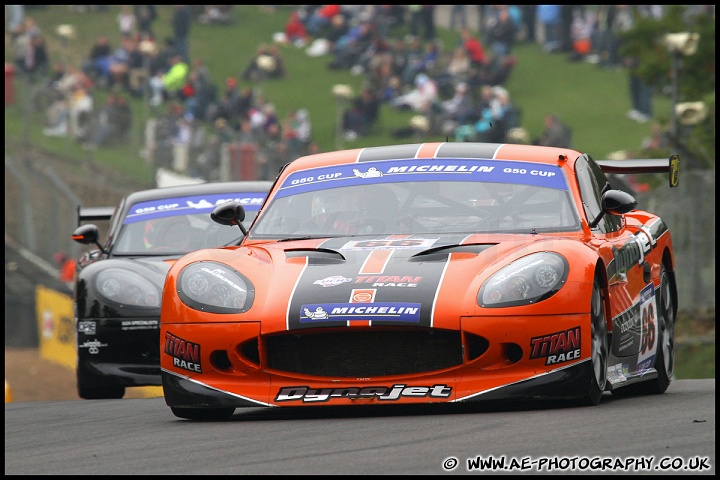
[615, 202]
[88, 235]
[230, 213]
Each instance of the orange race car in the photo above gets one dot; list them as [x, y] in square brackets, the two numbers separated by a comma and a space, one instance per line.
[426, 273]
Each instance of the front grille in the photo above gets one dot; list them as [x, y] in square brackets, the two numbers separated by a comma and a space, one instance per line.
[364, 354]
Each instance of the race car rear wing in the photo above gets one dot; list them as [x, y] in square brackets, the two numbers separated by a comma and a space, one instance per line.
[657, 165]
[89, 214]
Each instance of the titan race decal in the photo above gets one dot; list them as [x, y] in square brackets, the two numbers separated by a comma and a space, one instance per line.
[385, 394]
[557, 347]
[185, 355]
[376, 285]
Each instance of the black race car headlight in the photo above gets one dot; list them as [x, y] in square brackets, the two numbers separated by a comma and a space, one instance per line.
[127, 288]
[525, 281]
[214, 287]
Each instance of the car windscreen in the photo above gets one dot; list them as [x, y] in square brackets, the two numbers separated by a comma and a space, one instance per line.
[420, 196]
[182, 224]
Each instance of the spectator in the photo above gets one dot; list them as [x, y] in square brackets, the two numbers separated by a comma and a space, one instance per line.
[529, 20]
[126, 21]
[203, 91]
[208, 162]
[414, 53]
[175, 78]
[457, 110]
[67, 269]
[321, 18]
[278, 71]
[24, 46]
[37, 61]
[421, 98]
[181, 22]
[113, 122]
[271, 163]
[95, 65]
[297, 131]
[565, 37]
[549, 18]
[502, 32]
[473, 47]
[618, 19]
[348, 49]
[14, 17]
[496, 70]
[181, 142]
[422, 17]
[555, 134]
[399, 53]
[493, 122]
[641, 90]
[423, 63]
[458, 17]
[389, 18]
[81, 110]
[220, 14]
[457, 70]
[582, 32]
[70, 78]
[375, 53]
[391, 89]
[226, 106]
[267, 63]
[295, 32]
[355, 122]
[370, 101]
[70, 116]
[145, 15]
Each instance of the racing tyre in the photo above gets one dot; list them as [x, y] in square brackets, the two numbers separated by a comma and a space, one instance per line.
[203, 413]
[100, 393]
[104, 392]
[665, 357]
[599, 353]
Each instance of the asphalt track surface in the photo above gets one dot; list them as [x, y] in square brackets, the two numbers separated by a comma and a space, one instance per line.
[143, 437]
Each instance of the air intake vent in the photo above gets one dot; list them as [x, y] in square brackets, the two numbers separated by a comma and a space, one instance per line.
[364, 354]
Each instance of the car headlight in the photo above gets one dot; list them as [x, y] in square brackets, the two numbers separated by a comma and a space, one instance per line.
[127, 288]
[214, 287]
[525, 281]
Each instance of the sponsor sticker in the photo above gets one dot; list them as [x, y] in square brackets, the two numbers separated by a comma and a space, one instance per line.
[558, 347]
[376, 312]
[185, 354]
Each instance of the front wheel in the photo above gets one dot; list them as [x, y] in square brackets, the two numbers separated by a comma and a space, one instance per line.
[92, 387]
[599, 353]
[99, 393]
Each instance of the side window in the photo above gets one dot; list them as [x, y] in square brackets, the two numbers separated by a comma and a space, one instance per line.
[593, 182]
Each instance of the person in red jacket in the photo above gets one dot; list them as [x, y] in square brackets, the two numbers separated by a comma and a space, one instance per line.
[295, 32]
[473, 47]
[67, 268]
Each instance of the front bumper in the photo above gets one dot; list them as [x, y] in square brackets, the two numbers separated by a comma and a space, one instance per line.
[119, 352]
[488, 358]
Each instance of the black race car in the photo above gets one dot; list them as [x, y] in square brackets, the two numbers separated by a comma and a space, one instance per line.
[118, 286]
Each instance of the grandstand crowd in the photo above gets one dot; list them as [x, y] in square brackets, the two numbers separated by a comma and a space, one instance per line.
[460, 92]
